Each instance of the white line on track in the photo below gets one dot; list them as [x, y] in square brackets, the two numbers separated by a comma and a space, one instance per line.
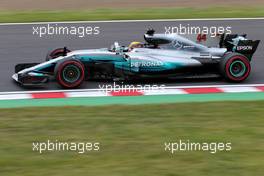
[131, 21]
[239, 89]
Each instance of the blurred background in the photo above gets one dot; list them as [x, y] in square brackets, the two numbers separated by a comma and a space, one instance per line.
[97, 4]
[67, 10]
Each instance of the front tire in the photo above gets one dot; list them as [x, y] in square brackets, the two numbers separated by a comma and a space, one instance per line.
[70, 73]
[235, 67]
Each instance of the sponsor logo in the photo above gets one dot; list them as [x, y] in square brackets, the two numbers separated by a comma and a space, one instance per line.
[177, 44]
[147, 64]
[244, 48]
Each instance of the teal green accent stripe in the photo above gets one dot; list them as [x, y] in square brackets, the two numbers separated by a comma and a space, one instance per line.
[134, 100]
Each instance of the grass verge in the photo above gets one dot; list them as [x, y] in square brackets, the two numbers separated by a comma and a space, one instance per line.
[132, 139]
[131, 14]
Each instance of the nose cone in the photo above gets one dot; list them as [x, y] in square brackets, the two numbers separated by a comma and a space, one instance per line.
[15, 77]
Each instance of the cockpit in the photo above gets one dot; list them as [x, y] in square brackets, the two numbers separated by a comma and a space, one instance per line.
[133, 45]
[160, 41]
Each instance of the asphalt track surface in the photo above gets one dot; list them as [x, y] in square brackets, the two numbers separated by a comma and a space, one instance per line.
[19, 45]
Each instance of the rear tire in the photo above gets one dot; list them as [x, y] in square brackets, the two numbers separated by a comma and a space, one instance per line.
[56, 53]
[70, 73]
[235, 67]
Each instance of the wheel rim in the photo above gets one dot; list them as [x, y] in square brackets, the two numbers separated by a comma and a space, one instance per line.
[71, 73]
[237, 68]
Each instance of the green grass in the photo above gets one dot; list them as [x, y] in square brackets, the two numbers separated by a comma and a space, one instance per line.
[131, 14]
[132, 139]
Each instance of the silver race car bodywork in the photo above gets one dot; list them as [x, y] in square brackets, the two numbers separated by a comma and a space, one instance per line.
[163, 55]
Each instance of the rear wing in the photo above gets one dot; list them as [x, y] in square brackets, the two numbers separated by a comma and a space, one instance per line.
[232, 42]
[239, 43]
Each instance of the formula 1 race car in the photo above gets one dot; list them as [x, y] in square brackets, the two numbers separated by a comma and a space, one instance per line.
[162, 56]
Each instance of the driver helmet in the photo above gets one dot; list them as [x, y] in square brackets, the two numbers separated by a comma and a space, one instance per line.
[135, 45]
